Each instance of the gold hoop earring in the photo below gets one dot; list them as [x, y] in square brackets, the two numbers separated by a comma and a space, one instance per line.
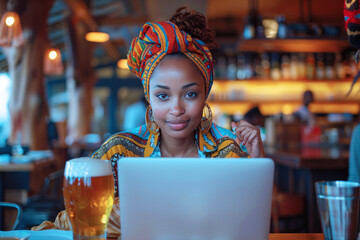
[151, 125]
[206, 120]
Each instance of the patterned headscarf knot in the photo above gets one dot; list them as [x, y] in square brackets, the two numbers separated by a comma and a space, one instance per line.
[155, 41]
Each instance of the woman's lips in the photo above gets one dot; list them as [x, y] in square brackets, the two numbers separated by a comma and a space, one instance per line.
[177, 126]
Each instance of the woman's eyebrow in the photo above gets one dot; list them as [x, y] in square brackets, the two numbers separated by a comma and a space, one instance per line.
[189, 85]
[162, 86]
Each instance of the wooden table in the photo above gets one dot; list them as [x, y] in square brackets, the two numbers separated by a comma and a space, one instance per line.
[296, 236]
[287, 236]
[298, 170]
[27, 176]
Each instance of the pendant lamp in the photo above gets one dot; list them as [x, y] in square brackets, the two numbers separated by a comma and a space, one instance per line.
[10, 28]
[52, 62]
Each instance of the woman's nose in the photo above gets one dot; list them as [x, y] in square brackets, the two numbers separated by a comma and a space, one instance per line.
[177, 108]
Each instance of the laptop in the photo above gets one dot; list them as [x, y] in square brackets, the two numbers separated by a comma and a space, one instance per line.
[195, 199]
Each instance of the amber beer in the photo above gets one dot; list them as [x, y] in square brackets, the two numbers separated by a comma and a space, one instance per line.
[89, 196]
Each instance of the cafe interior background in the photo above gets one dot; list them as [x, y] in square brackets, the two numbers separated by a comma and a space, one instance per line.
[64, 91]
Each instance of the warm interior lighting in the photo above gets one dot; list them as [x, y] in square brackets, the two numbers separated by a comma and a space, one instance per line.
[10, 30]
[97, 37]
[52, 55]
[9, 21]
[234, 97]
[52, 62]
[122, 64]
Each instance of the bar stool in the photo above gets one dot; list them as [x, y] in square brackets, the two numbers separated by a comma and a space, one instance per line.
[287, 206]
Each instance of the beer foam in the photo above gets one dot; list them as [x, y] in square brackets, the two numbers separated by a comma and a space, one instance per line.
[87, 167]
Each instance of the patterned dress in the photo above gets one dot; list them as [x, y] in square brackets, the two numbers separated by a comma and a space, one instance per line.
[218, 142]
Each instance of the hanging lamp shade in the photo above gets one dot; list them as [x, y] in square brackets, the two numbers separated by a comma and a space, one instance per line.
[52, 62]
[10, 30]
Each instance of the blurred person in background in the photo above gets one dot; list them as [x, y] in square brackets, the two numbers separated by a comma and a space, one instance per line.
[255, 117]
[303, 113]
[134, 114]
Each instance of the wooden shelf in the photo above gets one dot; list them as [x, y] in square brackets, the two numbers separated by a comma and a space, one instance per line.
[286, 107]
[292, 45]
[267, 80]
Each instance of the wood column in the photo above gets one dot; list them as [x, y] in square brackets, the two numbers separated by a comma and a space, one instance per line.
[80, 79]
[28, 106]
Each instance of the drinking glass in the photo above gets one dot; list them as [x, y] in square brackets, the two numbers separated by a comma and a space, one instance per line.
[89, 196]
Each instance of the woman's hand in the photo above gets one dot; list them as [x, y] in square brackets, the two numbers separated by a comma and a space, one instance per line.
[249, 136]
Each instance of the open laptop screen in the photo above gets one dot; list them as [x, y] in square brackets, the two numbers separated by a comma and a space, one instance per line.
[192, 198]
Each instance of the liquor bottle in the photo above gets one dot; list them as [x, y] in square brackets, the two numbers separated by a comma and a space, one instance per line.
[310, 66]
[320, 66]
[294, 66]
[249, 29]
[240, 72]
[220, 67]
[339, 67]
[302, 66]
[265, 63]
[231, 67]
[282, 29]
[275, 67]
[285, 67]
[329, 66]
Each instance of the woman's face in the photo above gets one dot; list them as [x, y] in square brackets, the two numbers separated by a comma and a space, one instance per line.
[177, 96]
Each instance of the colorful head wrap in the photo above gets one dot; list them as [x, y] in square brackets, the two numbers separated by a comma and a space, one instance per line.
[155, 41]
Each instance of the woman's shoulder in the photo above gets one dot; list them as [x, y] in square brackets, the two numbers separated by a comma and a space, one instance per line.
[128, 143]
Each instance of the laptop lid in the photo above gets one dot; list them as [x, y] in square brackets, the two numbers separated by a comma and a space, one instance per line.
[192, 198]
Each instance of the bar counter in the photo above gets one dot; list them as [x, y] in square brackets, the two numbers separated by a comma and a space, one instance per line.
[298, 169]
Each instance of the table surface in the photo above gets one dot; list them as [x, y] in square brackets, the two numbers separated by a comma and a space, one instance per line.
[26, 167]
[287, 236]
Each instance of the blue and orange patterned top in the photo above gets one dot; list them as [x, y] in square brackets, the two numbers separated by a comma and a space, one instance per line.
[218, 142]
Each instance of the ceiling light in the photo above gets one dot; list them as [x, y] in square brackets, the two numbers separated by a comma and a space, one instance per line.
[10, 30]
[122, 64]
[97, 37]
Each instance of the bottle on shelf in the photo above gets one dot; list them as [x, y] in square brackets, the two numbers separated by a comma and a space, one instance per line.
[275, 67]
[265, 64]
[249, 72]
[310, 66]
[320, 66]
[220, 67]
[302, 66]
[339, 67]
[329, 66]
[294, 72]
[240, 71]
[285, 67]
[282, 29]
[249, 29]
[231, 67]
[257, 66]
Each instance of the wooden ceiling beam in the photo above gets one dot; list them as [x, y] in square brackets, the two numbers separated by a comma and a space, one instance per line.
[79, 8]
[120, 21]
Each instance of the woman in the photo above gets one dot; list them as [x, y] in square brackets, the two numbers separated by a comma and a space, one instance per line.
[175, 65]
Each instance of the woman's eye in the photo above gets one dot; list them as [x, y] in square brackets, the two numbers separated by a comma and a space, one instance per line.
[191, 94]
[162, 96]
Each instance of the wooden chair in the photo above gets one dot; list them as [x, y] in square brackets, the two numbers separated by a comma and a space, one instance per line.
[47, 204]
[286, 206]
[16, 206]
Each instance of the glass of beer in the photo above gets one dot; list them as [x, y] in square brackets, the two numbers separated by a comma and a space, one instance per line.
[89, 196]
